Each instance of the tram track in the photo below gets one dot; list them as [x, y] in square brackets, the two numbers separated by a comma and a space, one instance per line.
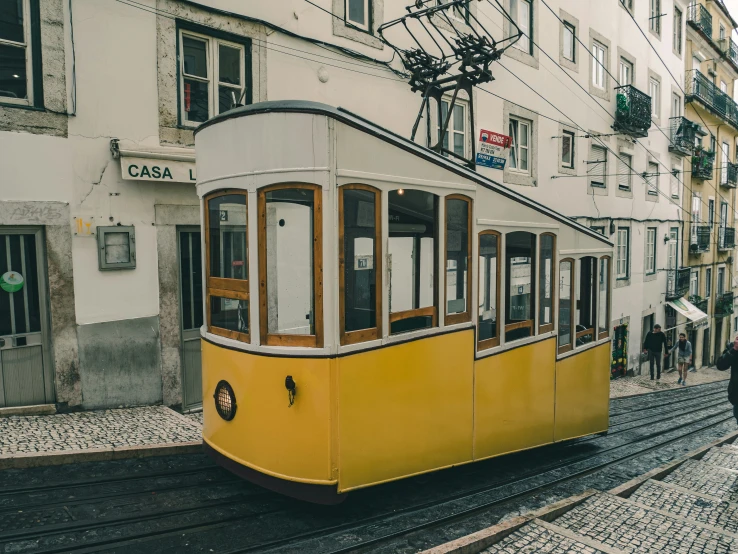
[397, 510]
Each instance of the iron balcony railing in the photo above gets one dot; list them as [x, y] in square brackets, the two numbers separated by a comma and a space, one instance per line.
[633, 111]
[677, 282]
[699, 240]
[726, 238]
[729, 175]
[682, 135]
[724, 305]
[700, 88]
[729, 48]
[702, 164]
[700, 18]
[699, 302]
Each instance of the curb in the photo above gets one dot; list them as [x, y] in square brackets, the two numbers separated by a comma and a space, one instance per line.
[655, 391]
[24, 461]
[39, 409]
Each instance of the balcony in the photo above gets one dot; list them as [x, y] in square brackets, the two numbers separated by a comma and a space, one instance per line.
[683, 133]
[700, 88]
[699, 18]
[699, 240]
[729, 175]
[677, 282]
[633, 112]
[702, 164]
[724, 305]
[726, 238]
[729, 49]
[699, 302]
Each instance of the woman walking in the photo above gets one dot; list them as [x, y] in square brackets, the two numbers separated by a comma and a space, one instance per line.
[684, 357]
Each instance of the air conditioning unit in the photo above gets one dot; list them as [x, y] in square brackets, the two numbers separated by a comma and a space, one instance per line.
[693, 248]
[729, 260]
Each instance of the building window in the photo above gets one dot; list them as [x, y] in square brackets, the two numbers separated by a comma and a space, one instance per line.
[598, 229]
[652, 178]
[586, 301]
[625, 162]
[569, 46]
[489, 289]
[546, 281]
[708, 282]
[722, 32]
[520, 145]
[567, 149]
[627, 3]
[358, 14]
[723, 87]
[711, 212]
[622, 251]
[694, 282]
[520, 249]
[724, 163]
[291, 265]
[677, 43]
[227, 270]
[213, 77]
[458, 12]
[676, 105]
[653, 92]
[650, 250]
[413, 257]
[360, 263]
[655, 19]
[597, 165]
[458, 257]
[455, 138]
[626, 72]
[720, 285]
[674, 183]
[598, 65]
[16, 69]
[521, 12]
[565, 305]
[603, 325]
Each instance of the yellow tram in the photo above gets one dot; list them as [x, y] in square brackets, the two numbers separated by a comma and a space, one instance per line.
[376, 311]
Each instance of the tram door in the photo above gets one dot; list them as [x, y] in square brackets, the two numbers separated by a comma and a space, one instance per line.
[190, 287]
[26, 375]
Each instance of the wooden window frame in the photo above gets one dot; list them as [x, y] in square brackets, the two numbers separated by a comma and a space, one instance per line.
[547, 328]
[608, 287]
[275, 339]
[572, 327]
[374, 333]
[235, 289]
[494, 341]
[528, 323]
[463, 317]
[592, 330]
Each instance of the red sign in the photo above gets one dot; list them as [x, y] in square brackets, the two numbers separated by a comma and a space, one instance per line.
[490, 137]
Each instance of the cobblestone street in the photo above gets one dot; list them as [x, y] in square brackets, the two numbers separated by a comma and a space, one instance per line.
[642, 384]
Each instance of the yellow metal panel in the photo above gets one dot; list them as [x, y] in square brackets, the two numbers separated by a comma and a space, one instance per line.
[405, 409]
[267, 435]
[514, 399]
[583, 393]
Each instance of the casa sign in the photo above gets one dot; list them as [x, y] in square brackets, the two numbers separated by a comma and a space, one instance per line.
[149, 169]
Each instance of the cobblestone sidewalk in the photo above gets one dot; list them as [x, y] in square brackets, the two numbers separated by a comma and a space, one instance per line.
[105, 429]
[642, 384]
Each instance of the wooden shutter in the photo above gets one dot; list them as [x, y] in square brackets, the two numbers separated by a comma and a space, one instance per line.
[624, 164]
[597, 165]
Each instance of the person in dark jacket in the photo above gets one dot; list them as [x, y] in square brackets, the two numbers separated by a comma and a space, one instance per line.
[729, 360]
[655, 347]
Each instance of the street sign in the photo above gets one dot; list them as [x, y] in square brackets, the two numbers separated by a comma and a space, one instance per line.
[492, 151]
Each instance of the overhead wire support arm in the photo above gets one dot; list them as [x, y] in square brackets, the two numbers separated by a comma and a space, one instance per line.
[450, 52]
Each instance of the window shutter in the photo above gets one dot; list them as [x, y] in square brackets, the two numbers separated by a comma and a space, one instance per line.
[675, 183]
[653, 178]
[597, 165]
[624, 171]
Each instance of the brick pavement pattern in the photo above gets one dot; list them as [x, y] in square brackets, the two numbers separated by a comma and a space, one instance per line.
[642, 384]
[196, 417]
[95, 430]
[706, 479]
[726, 457]
[537, 539]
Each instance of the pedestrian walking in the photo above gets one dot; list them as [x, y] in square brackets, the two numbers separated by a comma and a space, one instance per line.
[729, 360]
[655, 347]
[684, 357]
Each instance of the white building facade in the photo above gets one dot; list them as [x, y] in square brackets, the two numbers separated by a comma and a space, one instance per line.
[98, 210]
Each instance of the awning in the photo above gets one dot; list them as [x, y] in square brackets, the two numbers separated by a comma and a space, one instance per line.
[689, 310]
[163, 164]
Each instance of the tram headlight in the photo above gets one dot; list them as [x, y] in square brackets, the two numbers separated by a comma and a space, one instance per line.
[225, 400]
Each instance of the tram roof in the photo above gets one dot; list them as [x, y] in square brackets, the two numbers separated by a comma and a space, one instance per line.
[358, 122]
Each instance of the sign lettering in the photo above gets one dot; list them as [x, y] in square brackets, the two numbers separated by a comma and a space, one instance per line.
[143, 169]
[492, 151]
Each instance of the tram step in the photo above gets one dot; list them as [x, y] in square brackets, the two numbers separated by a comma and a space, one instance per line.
[539, 537]
[726, 457]
[627, 525]
[688, 504]
[706, 479]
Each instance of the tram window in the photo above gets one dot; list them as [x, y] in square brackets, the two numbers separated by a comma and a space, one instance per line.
[227, 265]
[546, 281]
[586, 300]
[360, 262]
[458, 255]
[488, 333]
[565, 308]
[603, 326]
[520, 248]
[413, 216]
[290, 266]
